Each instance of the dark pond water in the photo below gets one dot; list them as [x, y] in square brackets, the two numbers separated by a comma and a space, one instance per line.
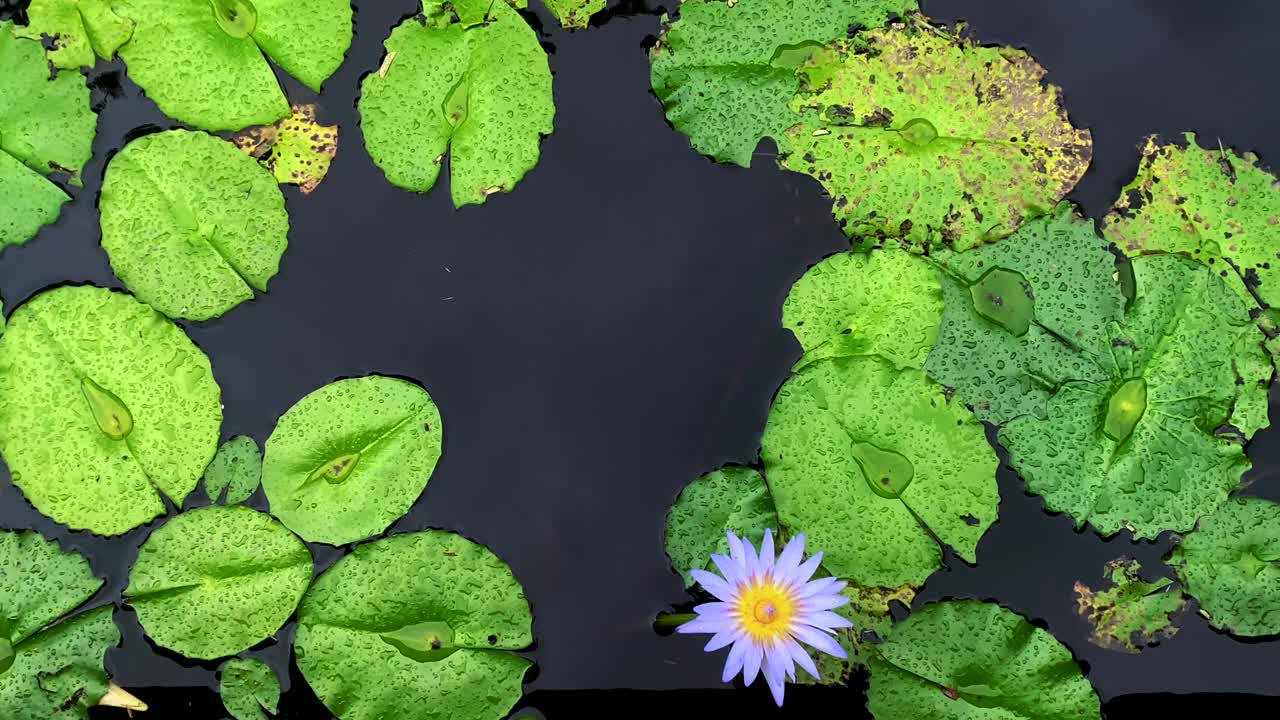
[610, 331]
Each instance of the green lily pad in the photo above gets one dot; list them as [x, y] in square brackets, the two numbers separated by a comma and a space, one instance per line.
[882, 302]
[932, 139]
[731, 498]
[1231, 565]
[191, 224]
[298, 150]
[351, 458]
[247, 687]
[1191, 341]
[204, 62]
[77, 366]
[480, 94]
[236, 468]
[574, 13]
[76, 30]
[49, 663]
[46, 127]
[1133, 613]
[217, 580]
[969, 660]
[357, 624]
[872, 462]
[726, 72]
[1211, 204]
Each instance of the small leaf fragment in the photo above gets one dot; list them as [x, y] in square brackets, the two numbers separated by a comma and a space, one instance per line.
[236, 468]
[1133, 613]
[574, 13]
[248, 686]
[298, 150]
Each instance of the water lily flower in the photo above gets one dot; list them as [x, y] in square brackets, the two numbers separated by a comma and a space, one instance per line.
[766, 609]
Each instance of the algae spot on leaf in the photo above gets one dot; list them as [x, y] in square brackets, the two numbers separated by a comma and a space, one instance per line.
[838, 430]
[731, 498]
[204, 62]
[970, 659]
[191, 225]
[725, 72]
[248, 686]
[1231, 565]
[574, 13]
[1133, 613]
[480, 94]
[77, 29]
[298, 150]
[53, 664]
[351, 458]
[1212, 204]
[72, 338]
[236, 468]
[932, 139]
[362, 626]
[46, 129]
[217, 580]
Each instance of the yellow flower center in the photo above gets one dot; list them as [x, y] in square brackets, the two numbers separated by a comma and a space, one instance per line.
[765, 610]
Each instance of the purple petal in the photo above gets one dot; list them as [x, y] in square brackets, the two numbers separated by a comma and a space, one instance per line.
[766, 550]
[824, 620]
[821, 586]
[823, 602]
[752, 561]
[777, 656]
[751, 662]
[801, 657]
[732, 570]
[722, 639]
[815, 638]
[790, 558]
[712, 610]
[774, 674]
[702, 626]
[735, 548]
[733, 664]
[713, 584]
[806, 571]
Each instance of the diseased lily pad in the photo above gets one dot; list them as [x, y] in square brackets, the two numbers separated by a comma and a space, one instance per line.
[247, 687]
[192, 225]
[204, 62]
[873, 462]
[1231, 565]
[421, 626]
[298, 150]
[79, 365]
[1133, 614]
[481, 94]
[236, 468]
[731, 498]
[1212, 204]
[969, 660]
[351, 458]
[76, 30]
[574, 13]
[931, 139]
[885, 303]
[869, 611]
[46, 128]
[725, 72]
[50, 665]
[217, 580]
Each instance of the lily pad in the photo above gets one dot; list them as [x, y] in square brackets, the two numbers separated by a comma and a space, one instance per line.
[1212, 204]
[76, 30]
[247, 687]
[108, 409]
[480, 94]
[204, 62]
[351, 458]
[882, 302]
[236, 468]
[46, 128]
[726, 72]
[1133, 613]
[932, 139]
[49, 663]
[421, 626]
[192, 225]
[217, 580]
[574, 13]
[873, 462]
[298, 150]
[1231, 565]
[969, 660]
[731, 498]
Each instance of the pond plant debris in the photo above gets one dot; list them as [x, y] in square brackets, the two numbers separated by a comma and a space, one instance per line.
[1124, 373]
